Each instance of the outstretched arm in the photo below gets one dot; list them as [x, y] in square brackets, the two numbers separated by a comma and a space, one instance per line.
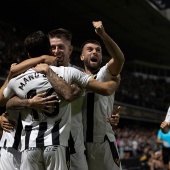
[116, 63]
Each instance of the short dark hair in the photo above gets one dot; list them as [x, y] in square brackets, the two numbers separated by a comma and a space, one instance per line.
[60, 33]
[90, 41]
[37, 44]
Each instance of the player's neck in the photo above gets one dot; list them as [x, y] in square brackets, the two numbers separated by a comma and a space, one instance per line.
[92, 72]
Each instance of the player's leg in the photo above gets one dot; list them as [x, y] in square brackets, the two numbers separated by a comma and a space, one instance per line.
[32, 159]
[56, 157]
[112, 150]
[10, 159]
[103, 156]
[77, 156]
[78, 161]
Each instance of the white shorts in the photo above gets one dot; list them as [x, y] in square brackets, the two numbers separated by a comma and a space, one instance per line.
[10, 159]
[45, 158]
[103, 156]
[78, 161]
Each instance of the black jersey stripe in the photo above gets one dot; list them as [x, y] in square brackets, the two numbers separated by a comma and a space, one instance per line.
[17, 137]
[90, 115]
[55, 133]
[28, 130]
[71, 144]
[40, 137]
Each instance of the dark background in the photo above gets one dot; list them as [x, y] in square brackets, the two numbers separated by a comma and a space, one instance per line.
[141, 31]
[138, 27]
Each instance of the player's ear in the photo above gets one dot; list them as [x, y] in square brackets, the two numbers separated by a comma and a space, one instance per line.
[70, 49]
[82, 57]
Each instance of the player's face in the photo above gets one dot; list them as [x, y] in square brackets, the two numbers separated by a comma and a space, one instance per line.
[62, 49]
[92, 56]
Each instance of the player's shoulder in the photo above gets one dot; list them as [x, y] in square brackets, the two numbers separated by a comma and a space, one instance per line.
[56, 68]
[76, 67]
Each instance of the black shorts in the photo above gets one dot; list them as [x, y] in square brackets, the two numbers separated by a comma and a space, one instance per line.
[166, 155]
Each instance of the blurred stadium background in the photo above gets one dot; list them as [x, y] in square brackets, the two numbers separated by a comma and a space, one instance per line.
[141, 28]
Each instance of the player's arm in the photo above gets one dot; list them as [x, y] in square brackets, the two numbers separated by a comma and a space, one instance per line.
[37, 102]
[104, 88]
[3, 100]
[117, 61]
[66, 91]
[6, 124]
[21, 67]
[31, 62]
[63, 89]
[165, 126]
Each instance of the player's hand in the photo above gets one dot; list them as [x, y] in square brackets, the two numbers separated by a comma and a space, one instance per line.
[11, 73]
[99, 29]
[43, 103]
[6, 124]
[165, 126]
[41, 68]
[50, 60]
[76, 91]
[114, 119]
[13, 64]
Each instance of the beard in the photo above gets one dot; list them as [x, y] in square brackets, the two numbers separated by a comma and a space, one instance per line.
[92, 67]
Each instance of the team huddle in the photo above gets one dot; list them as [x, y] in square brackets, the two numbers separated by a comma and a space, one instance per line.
[59, 116]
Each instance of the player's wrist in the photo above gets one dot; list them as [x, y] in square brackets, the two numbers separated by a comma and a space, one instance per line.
[43, 58]
[48, 71]
[30, 103]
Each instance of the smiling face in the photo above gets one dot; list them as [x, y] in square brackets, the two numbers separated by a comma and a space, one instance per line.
[62, 49]
[60, 41]
[92, 57]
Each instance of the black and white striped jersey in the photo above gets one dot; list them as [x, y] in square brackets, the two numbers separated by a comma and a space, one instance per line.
[77, 137]
[38, 129]
[96, 109]
[12, 139]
